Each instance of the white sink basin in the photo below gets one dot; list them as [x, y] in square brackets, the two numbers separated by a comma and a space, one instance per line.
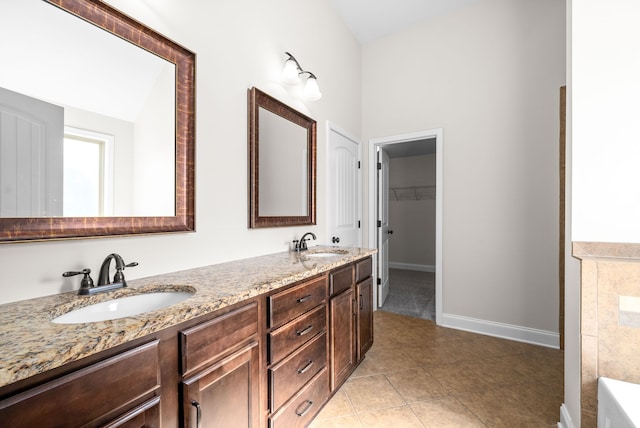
[122, 307]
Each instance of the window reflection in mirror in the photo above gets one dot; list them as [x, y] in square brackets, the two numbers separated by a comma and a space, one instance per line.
[88, 173]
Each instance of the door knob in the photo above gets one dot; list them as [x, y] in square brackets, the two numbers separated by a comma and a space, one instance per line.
[335, 239]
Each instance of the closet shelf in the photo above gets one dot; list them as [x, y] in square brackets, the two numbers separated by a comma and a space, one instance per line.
[412, 193]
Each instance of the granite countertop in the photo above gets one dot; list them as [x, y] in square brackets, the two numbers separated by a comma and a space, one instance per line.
[32, 344]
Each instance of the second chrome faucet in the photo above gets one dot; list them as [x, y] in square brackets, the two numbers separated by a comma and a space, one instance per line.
[301, 245]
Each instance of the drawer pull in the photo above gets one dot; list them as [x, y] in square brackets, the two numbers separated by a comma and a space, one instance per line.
[308, 405]
[304, 298]
[305, 331]
[305, 368]
[195, 404]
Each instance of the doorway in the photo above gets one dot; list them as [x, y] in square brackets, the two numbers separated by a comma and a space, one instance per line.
[403, 145]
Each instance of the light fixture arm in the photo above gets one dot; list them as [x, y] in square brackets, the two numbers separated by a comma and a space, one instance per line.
[299, 67]
[293, 58]
[313, 76]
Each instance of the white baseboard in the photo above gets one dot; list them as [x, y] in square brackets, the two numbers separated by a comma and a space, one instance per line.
[506, 331]
[565, 419]
[410, 266]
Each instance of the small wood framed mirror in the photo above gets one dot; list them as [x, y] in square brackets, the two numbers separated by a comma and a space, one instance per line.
[282, 163]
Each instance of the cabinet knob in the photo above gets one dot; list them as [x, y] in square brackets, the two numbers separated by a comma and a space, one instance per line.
[335, 240]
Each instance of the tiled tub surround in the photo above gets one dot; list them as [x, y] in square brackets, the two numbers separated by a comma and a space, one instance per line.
[610, 334]
[31, 344]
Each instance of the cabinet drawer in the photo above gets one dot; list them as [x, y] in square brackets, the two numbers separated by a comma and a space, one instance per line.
[94, 395]
[288, 376]
[304, 406]
[291, 303]
[290, 336]
[207, 342]
[340, 280]
[363, 269]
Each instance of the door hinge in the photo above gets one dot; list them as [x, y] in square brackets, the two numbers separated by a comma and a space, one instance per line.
[379, 223]
[379, 165]
[358, 224]
[379, 280]
[358, 164]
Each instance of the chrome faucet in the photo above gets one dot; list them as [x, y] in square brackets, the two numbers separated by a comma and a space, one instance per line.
[86, 285]
[301, 245]
[118, 277]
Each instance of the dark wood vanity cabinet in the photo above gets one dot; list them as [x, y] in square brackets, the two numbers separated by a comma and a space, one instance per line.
[269, 361]
[220, 370]
[298, 383]
[120, 391]
[350, 319]
[212, 361]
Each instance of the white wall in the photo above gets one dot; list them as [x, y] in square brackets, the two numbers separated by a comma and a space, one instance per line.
[413, 221]
[239, 44]
[606, 129]
[489, 75]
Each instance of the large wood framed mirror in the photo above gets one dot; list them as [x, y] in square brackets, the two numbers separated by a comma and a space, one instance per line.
[97, 124]
[282, 163]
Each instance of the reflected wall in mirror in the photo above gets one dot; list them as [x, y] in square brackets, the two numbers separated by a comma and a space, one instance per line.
[107, 106]
[282, 164]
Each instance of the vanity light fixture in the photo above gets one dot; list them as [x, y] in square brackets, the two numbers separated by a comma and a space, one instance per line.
[291, 76]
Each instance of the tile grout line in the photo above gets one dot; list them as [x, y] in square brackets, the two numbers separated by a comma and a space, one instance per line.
[404, 399]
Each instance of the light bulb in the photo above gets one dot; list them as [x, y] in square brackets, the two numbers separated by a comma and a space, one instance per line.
[290, 73]
[311, 90]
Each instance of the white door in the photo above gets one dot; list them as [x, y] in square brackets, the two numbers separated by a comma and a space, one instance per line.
[383, 226]
[31, 140]
[343, 190]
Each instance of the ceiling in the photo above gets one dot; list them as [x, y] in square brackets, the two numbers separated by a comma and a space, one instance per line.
[370, 20]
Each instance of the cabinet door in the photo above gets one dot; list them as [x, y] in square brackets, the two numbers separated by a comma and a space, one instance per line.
[225, 394]
[365, 316]
[343, 341]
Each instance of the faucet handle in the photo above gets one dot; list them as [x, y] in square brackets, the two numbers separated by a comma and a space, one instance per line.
[119, 276]
[86, 282]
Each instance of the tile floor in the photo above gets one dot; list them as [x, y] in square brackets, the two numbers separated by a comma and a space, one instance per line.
[420, 375]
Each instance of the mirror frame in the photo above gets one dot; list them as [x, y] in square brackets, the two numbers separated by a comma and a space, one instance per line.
[115, 22]
[257, 100]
